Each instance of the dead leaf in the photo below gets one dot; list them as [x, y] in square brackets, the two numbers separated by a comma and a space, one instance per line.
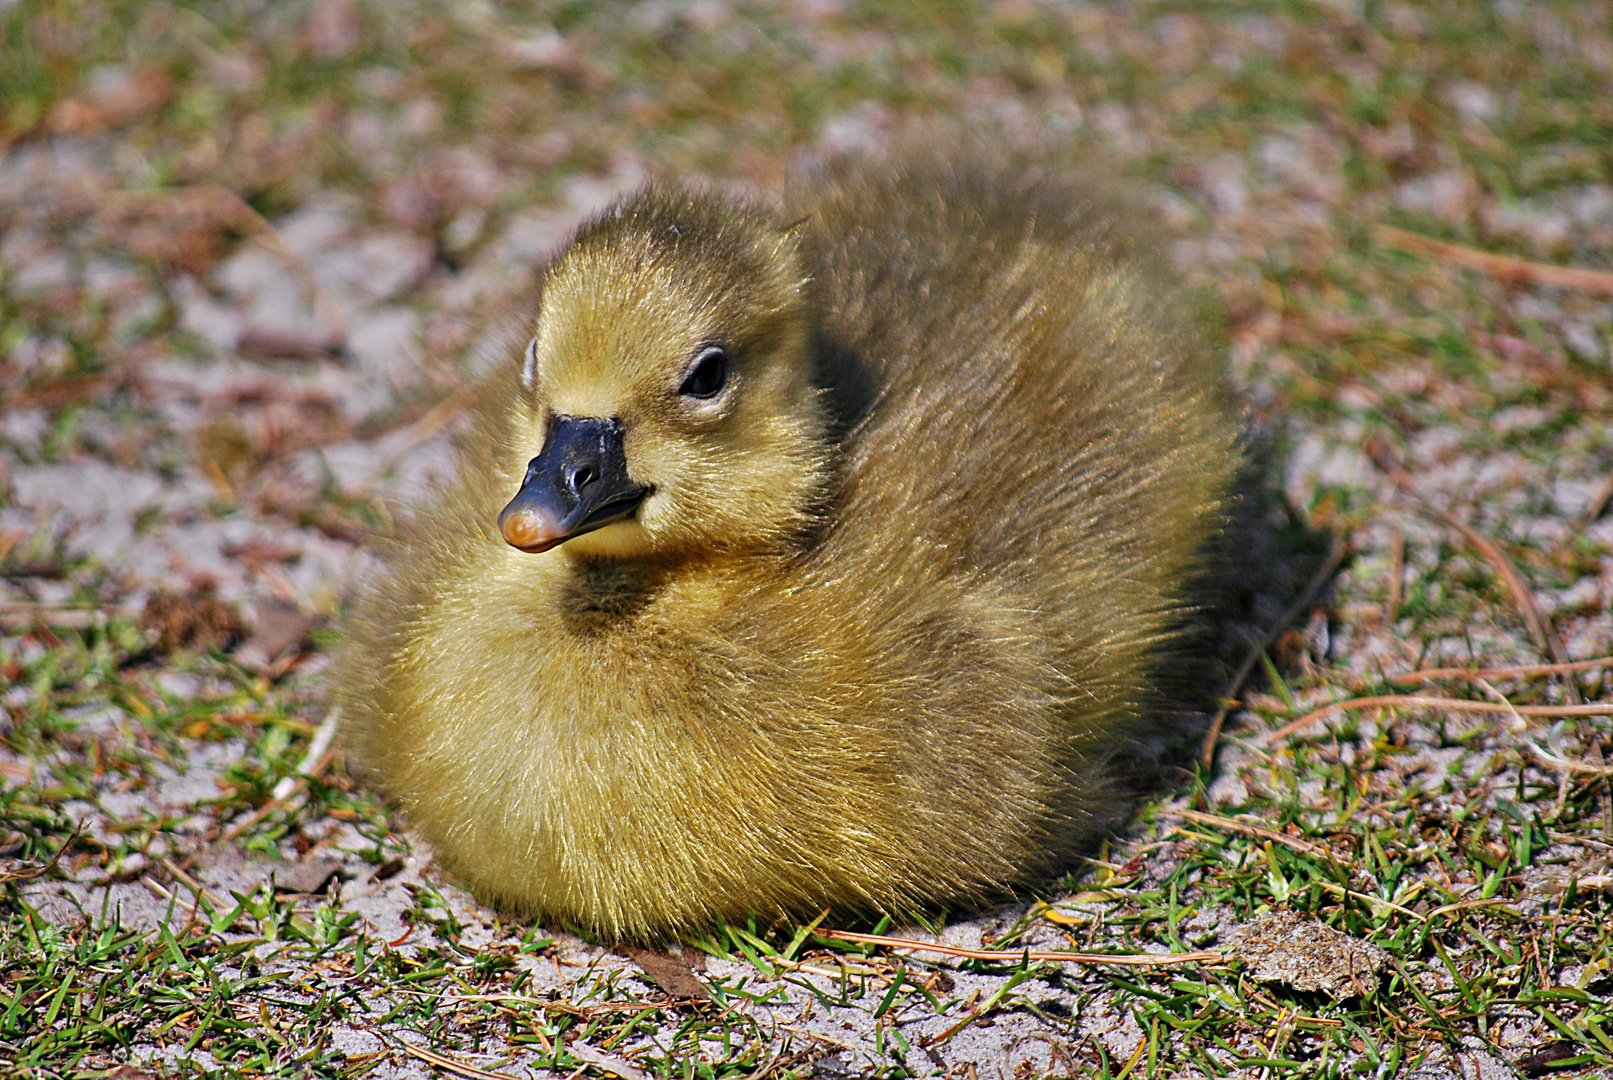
[184, 228]
[333, 30]
[306, 877]
[278, 628]
[114, 96]
[1508, 347]
[277, 343]
[549, 51]
[389, 869]
[223, 442]
[268, 391]
[413, 202]
[56, 393]
[261, 551]
[1547, 1058]
[1301, 952]
[193, 620]
[671, 973]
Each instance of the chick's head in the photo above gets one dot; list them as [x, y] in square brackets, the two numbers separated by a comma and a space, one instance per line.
[670, 403]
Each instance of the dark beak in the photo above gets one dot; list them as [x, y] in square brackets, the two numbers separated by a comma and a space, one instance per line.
[577, 483]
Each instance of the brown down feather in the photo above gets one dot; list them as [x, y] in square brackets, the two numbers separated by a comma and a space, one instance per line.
[887, 611]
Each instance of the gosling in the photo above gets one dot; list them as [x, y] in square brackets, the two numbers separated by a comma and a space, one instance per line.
[807, 558]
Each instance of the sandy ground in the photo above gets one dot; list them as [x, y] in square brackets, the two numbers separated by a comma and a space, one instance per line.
[217, 400]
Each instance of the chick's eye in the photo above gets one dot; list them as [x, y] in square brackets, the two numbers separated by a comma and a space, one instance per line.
[708, 376]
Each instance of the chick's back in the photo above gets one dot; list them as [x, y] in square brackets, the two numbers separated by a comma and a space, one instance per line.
[1046, 415]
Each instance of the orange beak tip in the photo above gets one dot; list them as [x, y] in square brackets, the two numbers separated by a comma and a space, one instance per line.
[527, 531]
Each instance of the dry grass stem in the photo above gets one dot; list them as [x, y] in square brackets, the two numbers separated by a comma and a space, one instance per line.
[1453, 704]
[1009, 956]
[316, 759]
[23, 616]
[1329, 886]
[1316, 851]
[1500, 267]
[454, 1065]
[1568, 765]
[1410, 678]
[29, 873]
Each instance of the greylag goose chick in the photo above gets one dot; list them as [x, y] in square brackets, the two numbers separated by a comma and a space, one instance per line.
[808, 557]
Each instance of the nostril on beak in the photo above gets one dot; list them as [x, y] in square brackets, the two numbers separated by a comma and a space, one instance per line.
[579, 478]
